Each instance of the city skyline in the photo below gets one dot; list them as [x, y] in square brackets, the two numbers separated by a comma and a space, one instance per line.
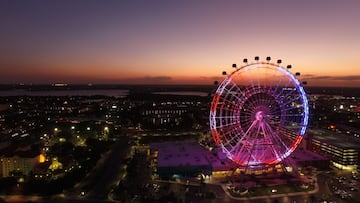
[162, 42]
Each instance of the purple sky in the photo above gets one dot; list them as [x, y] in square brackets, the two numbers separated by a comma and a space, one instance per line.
[175, 41]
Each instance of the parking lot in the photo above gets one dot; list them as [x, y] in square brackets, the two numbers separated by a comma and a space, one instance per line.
[345, 186]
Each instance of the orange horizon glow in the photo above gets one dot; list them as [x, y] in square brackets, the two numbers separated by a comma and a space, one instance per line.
[176, 43]
[111, 76]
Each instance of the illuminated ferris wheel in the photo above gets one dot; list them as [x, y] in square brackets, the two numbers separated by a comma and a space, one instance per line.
[259, 113]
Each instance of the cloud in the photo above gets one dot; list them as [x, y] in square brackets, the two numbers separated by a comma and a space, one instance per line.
[318, 77]
[212, 78]
[308, 75]
[350, 77]
[149, 80]
[323, 77]
[156, 78]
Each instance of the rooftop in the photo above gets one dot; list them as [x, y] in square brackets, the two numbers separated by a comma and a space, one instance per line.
[175, 154]
[301, 154]
[335, 139]
[10, 150]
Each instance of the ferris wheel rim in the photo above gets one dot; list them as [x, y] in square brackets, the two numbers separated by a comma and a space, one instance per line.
[304, 121]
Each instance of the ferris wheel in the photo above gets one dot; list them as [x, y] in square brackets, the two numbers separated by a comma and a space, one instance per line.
[259, 113]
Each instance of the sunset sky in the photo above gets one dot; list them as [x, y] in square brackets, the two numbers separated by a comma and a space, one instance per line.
[176, 42]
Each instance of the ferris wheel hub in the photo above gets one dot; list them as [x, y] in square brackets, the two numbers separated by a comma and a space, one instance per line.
[259, 115]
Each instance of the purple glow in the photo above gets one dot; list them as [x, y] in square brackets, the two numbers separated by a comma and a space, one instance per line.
[252, 106]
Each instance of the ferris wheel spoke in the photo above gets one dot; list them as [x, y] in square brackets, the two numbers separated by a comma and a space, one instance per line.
[258, 113]
[252, 84]
[245, 136]
[229, 124]
[228, 139]
[240, 149]
[232, 98]
[246, 125]
[251, 104]
[291, 108]
[291, 123]
[275, 111]
[278, 84]
[290, 101]
[235, 86]
[239, 90]
[258, 75]
[290, 134]
[228, 109]
[227, 130]
[226, 117]
[246, 112]
[292, 115]
[229, 142]
[229, 105]
[245, 120]
[273, 83]
[288, 82]
[242, 152]
[290, 93]
[253, 152]
[275, 139]
[230, 91]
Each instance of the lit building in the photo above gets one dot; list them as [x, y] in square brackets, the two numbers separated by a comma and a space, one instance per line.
[342, 151]
[186, 159]
[42, 158]
[190, 159]
[55, 165]
[16, 160]
[348, 130]
[164, 115]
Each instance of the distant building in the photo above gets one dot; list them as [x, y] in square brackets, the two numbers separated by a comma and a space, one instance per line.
[163, 115]
[348, 130]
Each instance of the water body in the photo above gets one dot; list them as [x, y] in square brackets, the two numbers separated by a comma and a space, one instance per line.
[60, 93]
[184, 93]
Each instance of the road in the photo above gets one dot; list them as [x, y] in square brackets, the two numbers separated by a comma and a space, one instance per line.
[324, 191]
[110, 171]
[97, 184]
